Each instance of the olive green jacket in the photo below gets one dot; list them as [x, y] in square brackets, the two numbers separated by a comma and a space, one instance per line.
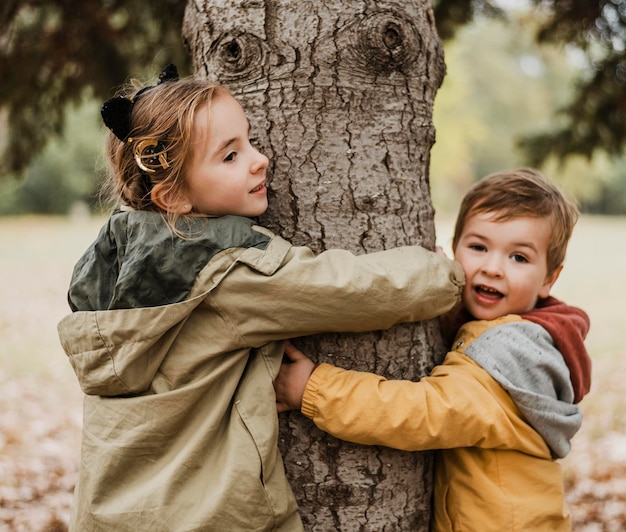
[176, 342]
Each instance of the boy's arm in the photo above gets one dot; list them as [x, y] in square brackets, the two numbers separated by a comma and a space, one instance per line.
[459, 405]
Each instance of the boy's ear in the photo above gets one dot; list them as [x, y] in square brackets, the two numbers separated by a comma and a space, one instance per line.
[549, 282]
[165, 199]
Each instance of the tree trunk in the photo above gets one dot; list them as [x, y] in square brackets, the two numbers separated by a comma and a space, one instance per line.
[340, 96]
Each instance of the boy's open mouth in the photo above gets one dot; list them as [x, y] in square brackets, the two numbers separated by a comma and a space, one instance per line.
[257, 188]
[486, 291]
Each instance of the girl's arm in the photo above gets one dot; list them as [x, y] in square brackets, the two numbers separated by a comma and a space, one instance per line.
[270, 295]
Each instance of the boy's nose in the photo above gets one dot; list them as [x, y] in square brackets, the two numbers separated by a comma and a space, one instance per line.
[492, 266]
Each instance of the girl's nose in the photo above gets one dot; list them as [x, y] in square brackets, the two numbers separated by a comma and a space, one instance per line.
[261, 162]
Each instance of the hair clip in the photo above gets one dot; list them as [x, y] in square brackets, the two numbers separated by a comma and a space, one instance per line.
[116, 112]
[150, 152]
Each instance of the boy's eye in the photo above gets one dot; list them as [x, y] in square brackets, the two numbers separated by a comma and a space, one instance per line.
[230, 156]
[519, 258]
[477, 247]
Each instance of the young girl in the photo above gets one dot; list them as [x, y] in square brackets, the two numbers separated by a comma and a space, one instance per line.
[180, 308]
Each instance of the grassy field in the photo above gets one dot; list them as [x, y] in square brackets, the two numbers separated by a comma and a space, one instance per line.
[40, 403]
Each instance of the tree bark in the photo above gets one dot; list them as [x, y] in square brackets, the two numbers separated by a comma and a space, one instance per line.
[340, 96]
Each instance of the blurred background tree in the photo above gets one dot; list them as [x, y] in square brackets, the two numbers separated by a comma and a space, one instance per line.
[66, 174]
[534, 83]
[57, 58]
[539, 82]
[55, 52]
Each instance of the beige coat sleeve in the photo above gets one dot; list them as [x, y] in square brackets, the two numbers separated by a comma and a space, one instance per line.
[458, 405]
[296, 293]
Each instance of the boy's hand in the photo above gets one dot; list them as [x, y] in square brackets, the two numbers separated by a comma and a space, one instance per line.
[292, 379]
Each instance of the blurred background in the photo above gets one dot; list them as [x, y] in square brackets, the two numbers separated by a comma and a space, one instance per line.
[529, 82]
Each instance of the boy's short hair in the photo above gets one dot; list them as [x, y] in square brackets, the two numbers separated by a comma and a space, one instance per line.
[522, 193]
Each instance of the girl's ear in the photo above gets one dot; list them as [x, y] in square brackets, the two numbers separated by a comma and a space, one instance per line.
[163, 197]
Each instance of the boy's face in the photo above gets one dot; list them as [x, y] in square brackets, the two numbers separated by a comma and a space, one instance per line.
[505, 264]
[226, 174]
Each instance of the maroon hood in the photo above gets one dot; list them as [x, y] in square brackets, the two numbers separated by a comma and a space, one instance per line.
[568, 327]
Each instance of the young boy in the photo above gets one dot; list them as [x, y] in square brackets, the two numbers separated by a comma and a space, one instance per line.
[502, 407]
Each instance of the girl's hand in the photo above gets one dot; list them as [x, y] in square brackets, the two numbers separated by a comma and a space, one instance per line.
[292, 379]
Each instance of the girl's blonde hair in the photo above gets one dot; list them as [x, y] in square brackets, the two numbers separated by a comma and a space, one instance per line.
[160, 141]
[519, 193]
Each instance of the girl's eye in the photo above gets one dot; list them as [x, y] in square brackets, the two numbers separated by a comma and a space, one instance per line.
[231, 156]
[519, 258]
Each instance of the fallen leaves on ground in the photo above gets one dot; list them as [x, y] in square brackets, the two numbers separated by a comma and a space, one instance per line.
[40, 419]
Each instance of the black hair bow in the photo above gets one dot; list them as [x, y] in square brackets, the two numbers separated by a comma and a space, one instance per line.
[116, 112]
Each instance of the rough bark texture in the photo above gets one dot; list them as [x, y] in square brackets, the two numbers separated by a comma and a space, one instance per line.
[340, 95]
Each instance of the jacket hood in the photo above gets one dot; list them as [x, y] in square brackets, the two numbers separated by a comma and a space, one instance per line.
[523, 358]
[137, 260]
[131, 295]
[568, 327]
[119, 352]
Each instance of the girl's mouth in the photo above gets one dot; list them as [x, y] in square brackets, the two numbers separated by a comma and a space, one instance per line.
[258, 188]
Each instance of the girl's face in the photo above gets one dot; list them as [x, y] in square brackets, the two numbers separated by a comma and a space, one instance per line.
[226, 174]
[505, 264]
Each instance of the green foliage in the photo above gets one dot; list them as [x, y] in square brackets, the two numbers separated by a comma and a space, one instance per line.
[450, 15]
[51, 51]
[64, 174]
[594, 118]
[54, 54]
[500, 87]
[499, 84]
[611, 197]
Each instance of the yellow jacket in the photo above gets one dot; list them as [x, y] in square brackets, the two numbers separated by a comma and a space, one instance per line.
[493, 471]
